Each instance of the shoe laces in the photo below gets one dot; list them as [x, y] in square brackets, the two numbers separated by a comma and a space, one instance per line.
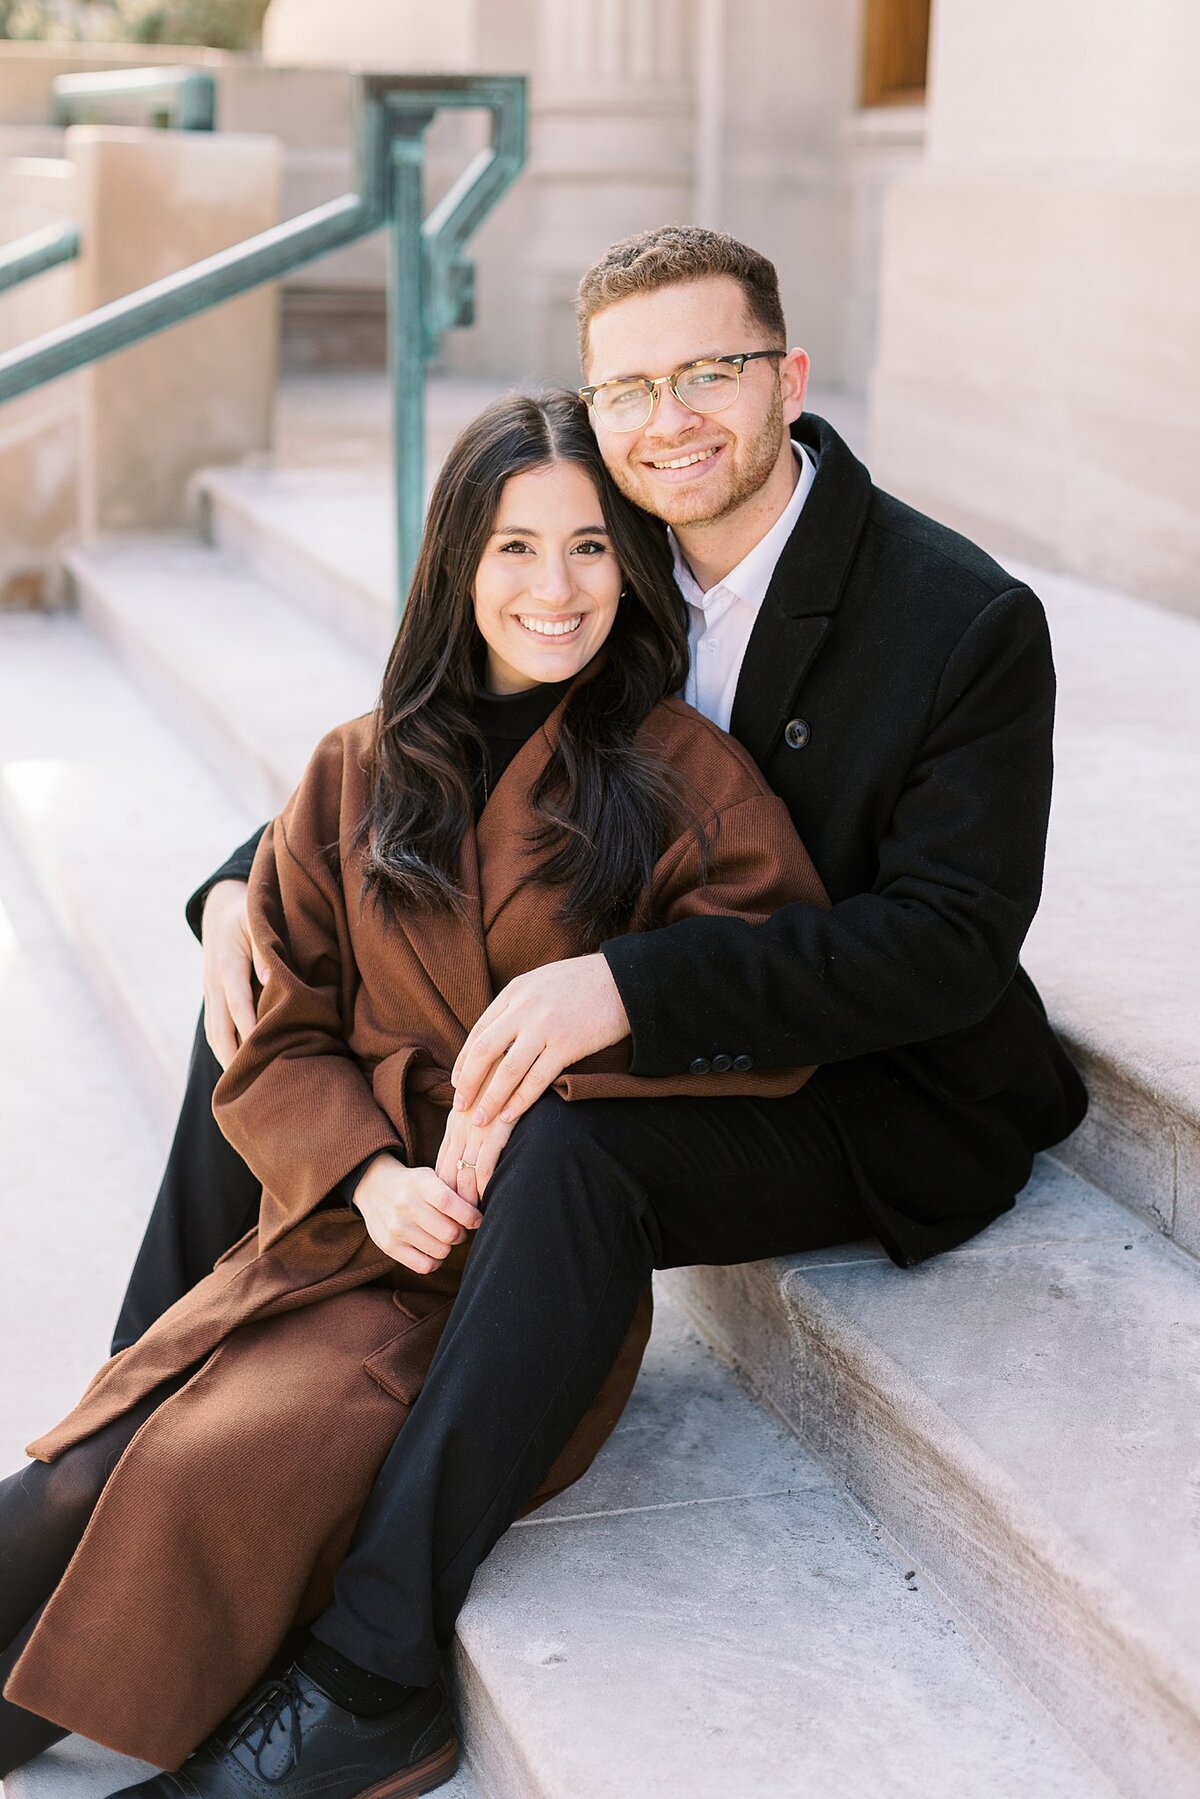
[278, 1699]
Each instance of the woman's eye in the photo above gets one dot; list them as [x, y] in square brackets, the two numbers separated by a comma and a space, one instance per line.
[591, 547]
[516, 544]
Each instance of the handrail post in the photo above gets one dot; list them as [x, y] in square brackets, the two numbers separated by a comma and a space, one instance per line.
[430, 283]
[406, 303]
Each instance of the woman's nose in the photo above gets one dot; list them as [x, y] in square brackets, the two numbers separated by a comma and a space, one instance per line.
[554, 584]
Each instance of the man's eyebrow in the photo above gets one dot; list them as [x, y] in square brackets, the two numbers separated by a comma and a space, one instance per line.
[704, 356]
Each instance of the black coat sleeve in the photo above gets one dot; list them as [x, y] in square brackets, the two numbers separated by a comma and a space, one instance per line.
[934, 943]
[235, 868]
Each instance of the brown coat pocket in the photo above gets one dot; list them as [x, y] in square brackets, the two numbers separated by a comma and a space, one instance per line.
[401, 1363]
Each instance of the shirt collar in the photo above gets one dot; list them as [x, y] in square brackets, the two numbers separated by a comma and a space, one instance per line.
[751, 577]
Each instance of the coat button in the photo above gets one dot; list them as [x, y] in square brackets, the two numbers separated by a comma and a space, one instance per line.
[743, 1064]
[701, 1065]
[796, 733]
[722, 1064]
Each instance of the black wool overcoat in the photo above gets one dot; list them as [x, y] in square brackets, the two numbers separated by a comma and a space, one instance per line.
[898, 694]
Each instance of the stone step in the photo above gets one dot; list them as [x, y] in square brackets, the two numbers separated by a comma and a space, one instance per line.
[1115, 948]
[705, 1615]
[1019, 1416]
[323, 537]
[119, 822]
[251, 683]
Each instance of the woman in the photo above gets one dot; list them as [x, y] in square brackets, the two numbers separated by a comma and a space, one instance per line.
[524, 789]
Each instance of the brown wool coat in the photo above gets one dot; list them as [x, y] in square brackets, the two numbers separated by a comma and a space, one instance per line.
[228, 1515]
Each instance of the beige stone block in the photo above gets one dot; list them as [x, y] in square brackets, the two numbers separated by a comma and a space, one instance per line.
[201, 392]
[27, 70]
[39, 431]
[1079, 78]
[406, 34]
[1038, 376]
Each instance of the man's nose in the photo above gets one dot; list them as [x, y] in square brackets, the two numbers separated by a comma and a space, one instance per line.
[671, 418]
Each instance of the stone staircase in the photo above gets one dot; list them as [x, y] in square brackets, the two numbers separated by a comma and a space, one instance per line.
[955, 1551]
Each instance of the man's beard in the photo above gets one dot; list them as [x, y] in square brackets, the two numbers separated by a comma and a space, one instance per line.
[744, 479]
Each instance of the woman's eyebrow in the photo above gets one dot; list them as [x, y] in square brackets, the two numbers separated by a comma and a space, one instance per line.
[528, 531]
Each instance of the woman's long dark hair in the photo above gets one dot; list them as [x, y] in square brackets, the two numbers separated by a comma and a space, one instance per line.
[603, 805]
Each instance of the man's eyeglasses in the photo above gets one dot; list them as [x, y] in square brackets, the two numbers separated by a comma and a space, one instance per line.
[709, 384]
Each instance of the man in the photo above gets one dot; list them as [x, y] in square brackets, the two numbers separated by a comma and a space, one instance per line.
[896, 688]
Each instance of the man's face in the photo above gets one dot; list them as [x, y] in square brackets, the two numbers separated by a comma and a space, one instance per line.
[686, 467]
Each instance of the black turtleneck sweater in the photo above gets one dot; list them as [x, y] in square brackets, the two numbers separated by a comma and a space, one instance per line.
[508, 720]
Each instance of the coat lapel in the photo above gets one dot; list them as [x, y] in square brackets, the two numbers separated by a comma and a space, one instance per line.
[449, 944]
[806, 590]
[505, 860]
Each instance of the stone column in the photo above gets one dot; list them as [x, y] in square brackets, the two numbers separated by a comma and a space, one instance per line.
[613, 151]
[1038, 377]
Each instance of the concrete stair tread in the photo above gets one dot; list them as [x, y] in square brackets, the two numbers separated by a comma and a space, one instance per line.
[120, 822]
[1020, 1415]
[254, 683]
[325, 537]
[742, 1631]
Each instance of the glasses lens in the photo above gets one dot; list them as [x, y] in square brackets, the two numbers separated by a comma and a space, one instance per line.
[623, 405]
[708, 387]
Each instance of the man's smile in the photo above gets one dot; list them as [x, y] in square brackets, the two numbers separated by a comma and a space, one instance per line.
[684, 464]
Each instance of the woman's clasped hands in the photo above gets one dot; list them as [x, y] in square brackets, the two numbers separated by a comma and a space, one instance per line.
[417, 1215]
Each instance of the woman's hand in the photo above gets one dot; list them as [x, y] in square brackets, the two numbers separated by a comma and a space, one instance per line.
[469, 1154]
[229, 957]
[412, 1214]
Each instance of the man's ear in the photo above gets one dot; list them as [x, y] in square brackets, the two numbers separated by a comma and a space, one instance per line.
[793, 381]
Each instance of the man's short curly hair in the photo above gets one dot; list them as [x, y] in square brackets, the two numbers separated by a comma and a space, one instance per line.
[669, 255]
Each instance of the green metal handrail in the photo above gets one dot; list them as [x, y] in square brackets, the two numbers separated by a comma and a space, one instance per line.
[38, 251]
[183, 99]
[430, 284]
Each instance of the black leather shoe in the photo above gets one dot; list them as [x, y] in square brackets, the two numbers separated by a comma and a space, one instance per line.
[289, 1737]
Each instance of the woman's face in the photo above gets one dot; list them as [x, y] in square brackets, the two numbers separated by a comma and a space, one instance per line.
[547, 585]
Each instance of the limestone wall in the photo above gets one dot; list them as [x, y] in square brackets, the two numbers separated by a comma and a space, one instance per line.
[1038, 378]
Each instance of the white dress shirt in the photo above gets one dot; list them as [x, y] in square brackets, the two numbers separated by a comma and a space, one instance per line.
[721, 620]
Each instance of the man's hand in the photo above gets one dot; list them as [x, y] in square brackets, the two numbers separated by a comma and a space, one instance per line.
[542, 1022]
[411, 1214]
[229, 957]
[469, 1154]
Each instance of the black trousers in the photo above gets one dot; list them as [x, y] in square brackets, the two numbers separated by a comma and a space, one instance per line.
[588, 1199]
